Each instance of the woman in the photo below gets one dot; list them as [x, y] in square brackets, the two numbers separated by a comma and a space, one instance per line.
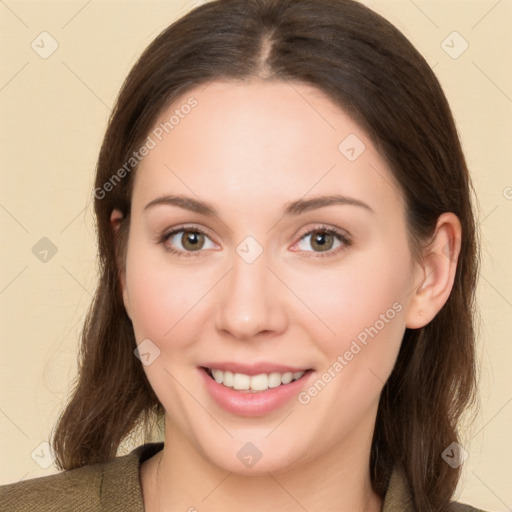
[288, 264]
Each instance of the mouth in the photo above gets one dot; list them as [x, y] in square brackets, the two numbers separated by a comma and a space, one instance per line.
[255, 393]
[253, 383]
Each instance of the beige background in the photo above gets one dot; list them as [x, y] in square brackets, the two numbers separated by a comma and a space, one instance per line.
[54, 112]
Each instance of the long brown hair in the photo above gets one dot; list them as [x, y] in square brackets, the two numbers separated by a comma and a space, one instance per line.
[371, 70]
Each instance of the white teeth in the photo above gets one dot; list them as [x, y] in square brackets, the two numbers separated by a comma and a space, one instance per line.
[241, 381]
[228, 379]
[274, 380]
[261, 382]
[217, 375]
[287, 377]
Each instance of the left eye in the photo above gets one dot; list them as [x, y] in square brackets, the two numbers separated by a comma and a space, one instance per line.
[322, 240]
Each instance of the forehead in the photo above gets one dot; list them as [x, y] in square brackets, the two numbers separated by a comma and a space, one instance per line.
[257, 141]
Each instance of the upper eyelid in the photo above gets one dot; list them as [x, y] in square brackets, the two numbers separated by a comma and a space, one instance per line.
[192, 227]
[325, 227]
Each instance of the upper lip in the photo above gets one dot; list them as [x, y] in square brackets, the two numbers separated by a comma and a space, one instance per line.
[253, 369]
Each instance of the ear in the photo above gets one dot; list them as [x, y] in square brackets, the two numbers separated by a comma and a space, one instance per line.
[437, 272]
[116, 219]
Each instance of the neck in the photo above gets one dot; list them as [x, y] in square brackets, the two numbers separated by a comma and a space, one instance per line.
[337, 481]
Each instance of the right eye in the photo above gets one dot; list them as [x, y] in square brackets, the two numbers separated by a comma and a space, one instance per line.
[184, 241]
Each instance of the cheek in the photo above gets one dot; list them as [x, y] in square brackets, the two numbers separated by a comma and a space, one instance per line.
[356, 297]
[162, 297]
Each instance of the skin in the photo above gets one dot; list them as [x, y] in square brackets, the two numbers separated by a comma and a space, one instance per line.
[249, 149]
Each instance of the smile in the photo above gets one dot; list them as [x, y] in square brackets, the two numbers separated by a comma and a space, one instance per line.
[260, 391]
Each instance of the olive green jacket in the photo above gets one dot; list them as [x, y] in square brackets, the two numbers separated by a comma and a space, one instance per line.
[115, 487]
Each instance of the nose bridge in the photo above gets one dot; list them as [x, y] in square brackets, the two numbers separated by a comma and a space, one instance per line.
[249, 303]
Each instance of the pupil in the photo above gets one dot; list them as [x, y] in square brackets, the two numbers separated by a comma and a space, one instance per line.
[320, 239]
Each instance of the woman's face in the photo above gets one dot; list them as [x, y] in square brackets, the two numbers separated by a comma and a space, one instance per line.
[291, 256]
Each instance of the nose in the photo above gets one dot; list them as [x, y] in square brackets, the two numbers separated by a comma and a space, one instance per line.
[251, 301]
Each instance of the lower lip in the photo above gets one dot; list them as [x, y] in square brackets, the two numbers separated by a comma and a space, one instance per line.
[245, 403]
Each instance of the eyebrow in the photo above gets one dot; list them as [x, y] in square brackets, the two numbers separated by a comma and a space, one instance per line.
[291, 209]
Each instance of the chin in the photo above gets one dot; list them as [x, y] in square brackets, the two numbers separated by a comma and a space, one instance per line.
[255, 457]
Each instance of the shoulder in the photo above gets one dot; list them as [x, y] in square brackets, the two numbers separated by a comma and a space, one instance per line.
[113, 486]
[55, 492]
[398, 497]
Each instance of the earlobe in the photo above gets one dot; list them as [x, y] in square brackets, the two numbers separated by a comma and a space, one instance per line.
[437, 272]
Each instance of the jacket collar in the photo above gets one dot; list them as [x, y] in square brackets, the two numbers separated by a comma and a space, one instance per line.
[398, 498]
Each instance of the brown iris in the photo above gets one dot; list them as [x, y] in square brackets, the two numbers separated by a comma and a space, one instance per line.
[192, 240]
[323, 240]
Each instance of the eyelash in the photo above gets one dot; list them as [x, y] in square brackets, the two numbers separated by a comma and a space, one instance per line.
[341, 236]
